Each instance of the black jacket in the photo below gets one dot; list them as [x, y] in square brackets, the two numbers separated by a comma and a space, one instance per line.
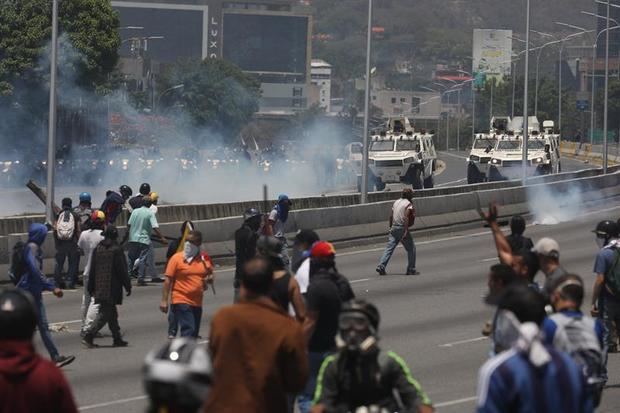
[382, 379]
[245, 248]
[108, 273]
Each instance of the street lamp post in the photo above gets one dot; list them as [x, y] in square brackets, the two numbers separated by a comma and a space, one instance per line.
[180, 86]
[51, 133]
[525, 91]
[364, 189]
[605, 103]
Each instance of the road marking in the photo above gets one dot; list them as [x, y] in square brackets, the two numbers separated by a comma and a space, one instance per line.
[456, 343]
[360, 280]
[490, 259]
[65, 322]
[112, 403]
[452, 182]
[457, 401]
[453, 155]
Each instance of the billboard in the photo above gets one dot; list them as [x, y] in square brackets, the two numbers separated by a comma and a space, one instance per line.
[492, 55]
[267, 43]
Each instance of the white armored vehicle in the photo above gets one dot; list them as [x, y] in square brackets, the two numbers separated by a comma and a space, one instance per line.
[401, 155]
[482, 150]
[543, 151]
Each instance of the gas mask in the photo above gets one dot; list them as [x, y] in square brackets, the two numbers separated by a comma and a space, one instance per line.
[356, 334]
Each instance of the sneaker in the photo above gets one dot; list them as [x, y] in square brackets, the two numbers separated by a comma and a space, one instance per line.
[88, 342]
[119, 342]
[381, 271]
[62, 361]
[157, 280]
[142, 283]
[412, 272]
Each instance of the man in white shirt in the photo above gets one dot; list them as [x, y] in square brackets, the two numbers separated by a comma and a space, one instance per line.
[88, 241]
[402, 217]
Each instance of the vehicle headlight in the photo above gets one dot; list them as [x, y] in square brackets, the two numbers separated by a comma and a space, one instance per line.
[537, 160]
[474, 158]
[111, 162]
[495, 161]
[409, 160]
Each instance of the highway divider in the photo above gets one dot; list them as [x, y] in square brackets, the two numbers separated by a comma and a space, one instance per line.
[341, 219]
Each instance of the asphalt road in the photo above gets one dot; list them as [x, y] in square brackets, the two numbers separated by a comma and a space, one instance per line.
[432, 320]
[21, 201]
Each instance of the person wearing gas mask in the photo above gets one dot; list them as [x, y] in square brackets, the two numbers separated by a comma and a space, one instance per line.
[245, 244]
[606, 293]
[361, 377]
[188, 274]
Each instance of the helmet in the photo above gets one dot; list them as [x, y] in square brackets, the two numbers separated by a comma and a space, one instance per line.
[85, 197]
[126, 191]
[606, 229]
[154, 197]
[145, 189]
[251, 213]
[98, 216]
[365, 308]
[18, 314]
[269, 246]
[178, 374]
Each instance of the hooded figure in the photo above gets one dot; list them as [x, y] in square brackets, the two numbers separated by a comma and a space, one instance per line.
[28, 382]
[33, 279]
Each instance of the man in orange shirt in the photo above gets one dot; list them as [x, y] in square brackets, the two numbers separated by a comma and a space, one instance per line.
[188, 274]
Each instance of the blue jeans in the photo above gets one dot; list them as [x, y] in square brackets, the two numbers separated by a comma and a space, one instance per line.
[396, 236]
[137, 250]
[188, 318]
[304, 400]
[44, 330]
[66, 252]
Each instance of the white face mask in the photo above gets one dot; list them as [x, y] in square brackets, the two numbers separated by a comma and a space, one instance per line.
[600, 242]
[190, 251]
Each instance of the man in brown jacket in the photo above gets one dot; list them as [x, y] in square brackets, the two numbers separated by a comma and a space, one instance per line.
[258, 350]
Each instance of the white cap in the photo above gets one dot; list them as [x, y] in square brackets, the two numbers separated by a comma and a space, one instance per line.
[548, 247]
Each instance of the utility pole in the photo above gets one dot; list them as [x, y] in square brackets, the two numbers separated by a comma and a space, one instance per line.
[525, 91]
[51, 132]
[364, 189]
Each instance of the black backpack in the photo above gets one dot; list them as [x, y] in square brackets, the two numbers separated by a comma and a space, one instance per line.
[18, 262]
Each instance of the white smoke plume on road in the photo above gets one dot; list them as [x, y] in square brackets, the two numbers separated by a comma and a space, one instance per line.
[550, 206]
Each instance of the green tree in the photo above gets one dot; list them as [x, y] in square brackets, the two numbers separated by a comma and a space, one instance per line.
[217, 95]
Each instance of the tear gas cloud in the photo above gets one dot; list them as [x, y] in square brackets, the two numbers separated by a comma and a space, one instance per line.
[550, 206]
[181, 171]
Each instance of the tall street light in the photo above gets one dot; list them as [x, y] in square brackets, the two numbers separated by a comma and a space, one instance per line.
[562, 42]
[364, 191]
[51, 132]
[176, 87]
[525, 91]
[592, 87]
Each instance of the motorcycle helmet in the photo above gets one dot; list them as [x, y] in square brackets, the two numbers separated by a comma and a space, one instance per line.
[145, 189]
[178, 375]
[125, 191]
[85, 198]
[251, 213]
[606, 229]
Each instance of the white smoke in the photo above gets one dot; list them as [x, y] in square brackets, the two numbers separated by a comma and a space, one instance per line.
[551, 206]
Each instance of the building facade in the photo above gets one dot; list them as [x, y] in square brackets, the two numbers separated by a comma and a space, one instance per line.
[321, 75]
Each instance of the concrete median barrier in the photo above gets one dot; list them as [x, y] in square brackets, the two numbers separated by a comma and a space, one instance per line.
[341, 218]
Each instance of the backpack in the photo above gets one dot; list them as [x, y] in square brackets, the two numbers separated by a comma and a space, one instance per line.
[577, 337]
[18, 263]
[612, 276]
[65, 226]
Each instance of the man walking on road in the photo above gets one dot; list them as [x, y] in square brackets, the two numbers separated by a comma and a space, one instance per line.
[35, 282]
[108, 277]
[87, 243]
[28, 383]
[258, 351]
[66, 235]
[188, 275]
[142, 223]
[401, 218]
